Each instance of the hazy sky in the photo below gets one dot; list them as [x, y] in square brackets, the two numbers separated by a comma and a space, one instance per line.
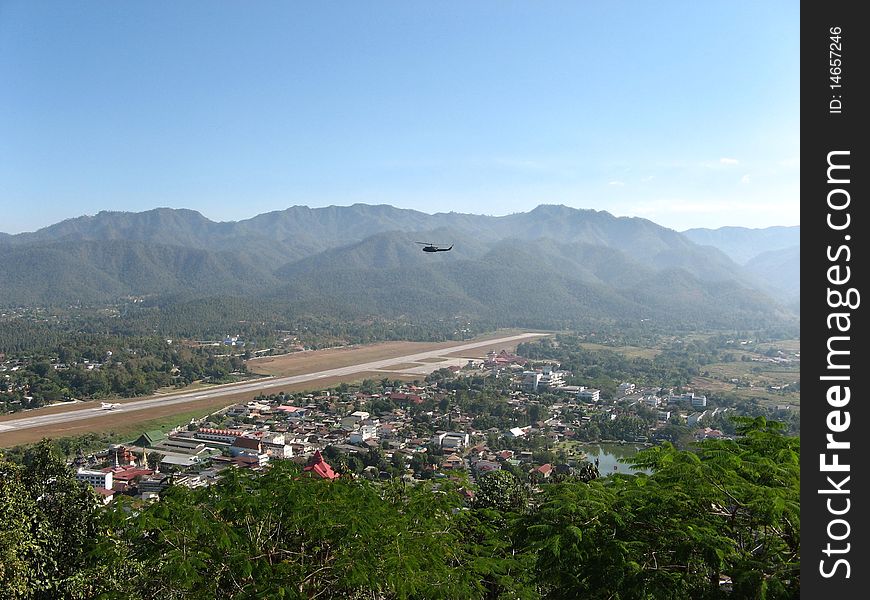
[686, 113]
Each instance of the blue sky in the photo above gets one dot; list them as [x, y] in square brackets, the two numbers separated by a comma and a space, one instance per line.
[685, 113]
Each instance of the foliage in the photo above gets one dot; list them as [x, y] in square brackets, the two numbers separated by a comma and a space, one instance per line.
[730, 509]
[48, 526]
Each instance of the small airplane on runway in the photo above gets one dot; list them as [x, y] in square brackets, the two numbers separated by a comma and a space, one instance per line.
[110, 405]
[430, 247]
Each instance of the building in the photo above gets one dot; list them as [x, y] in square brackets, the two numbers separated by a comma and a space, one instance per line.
[696, 401]
[238, 410]
[626, 389]
[454, 461]
[551, 379]
[149, 438]
[362, 434]
[531, 380]
[227, 436]
[589, 394]
[450, 440]
[652, 400]
[292, 412]
[350, 422]
[516, 432]
[95, 479]
[320, 468]
[246, 445]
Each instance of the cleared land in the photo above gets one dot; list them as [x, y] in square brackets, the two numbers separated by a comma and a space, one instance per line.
[317, 370]
[627, 351]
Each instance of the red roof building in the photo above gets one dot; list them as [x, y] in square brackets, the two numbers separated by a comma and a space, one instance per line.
[319, 467]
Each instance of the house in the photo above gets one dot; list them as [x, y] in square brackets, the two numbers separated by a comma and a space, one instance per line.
[350, 422]
[105, 495]
[246, 445]
[516, 432]
[652, 400]
[454, 461]
[504, 454]
[485, 466]
[238, 410]
[154, 484]
[543, 471]
[251, 461]
[320, 468]
[292, 412]
[626, 389]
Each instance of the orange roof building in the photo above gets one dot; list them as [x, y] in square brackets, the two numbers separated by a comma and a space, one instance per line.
[319, 467]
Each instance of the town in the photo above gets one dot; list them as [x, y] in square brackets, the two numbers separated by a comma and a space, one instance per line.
[502, 413]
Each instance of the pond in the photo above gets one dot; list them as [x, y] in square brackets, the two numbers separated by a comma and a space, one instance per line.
[608, 456]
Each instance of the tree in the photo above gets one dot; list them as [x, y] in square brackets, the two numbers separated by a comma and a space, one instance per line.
[729, 508]
[502, 491]
[48, 526]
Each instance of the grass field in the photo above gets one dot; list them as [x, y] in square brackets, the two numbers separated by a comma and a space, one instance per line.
[753, 378]
[627, 351]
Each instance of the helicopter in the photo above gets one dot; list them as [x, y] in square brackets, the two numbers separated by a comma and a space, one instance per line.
[430, 247]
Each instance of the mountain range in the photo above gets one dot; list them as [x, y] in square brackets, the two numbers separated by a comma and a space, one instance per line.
[771, 254]
[551, 264]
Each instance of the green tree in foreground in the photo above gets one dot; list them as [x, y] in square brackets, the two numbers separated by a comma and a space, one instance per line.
[48, 525]
[730, 510]
[726, 511]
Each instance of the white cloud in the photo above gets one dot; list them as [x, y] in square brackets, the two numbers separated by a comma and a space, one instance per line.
[745, 179]
[728, 161]
[616, 183]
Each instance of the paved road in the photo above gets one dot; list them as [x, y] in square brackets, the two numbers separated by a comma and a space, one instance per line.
[271, 382]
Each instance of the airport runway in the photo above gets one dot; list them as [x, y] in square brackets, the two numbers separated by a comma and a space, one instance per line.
[269, 383]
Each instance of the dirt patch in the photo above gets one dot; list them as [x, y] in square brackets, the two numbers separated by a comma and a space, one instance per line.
[432, 360]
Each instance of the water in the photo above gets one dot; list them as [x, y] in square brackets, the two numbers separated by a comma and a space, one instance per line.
[608, 455]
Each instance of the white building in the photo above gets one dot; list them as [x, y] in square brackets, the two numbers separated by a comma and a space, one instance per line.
[362, 434]
[589, 394]
[652, 400]
[95, 478]
[531, 380]
[626, 388]
[697, 401]
[516, 432]
[450, 440]
[350, 422]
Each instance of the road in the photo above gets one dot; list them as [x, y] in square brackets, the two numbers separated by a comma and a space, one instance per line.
[269, 383]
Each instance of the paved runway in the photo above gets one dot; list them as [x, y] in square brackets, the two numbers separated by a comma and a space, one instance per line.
[88, 413]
